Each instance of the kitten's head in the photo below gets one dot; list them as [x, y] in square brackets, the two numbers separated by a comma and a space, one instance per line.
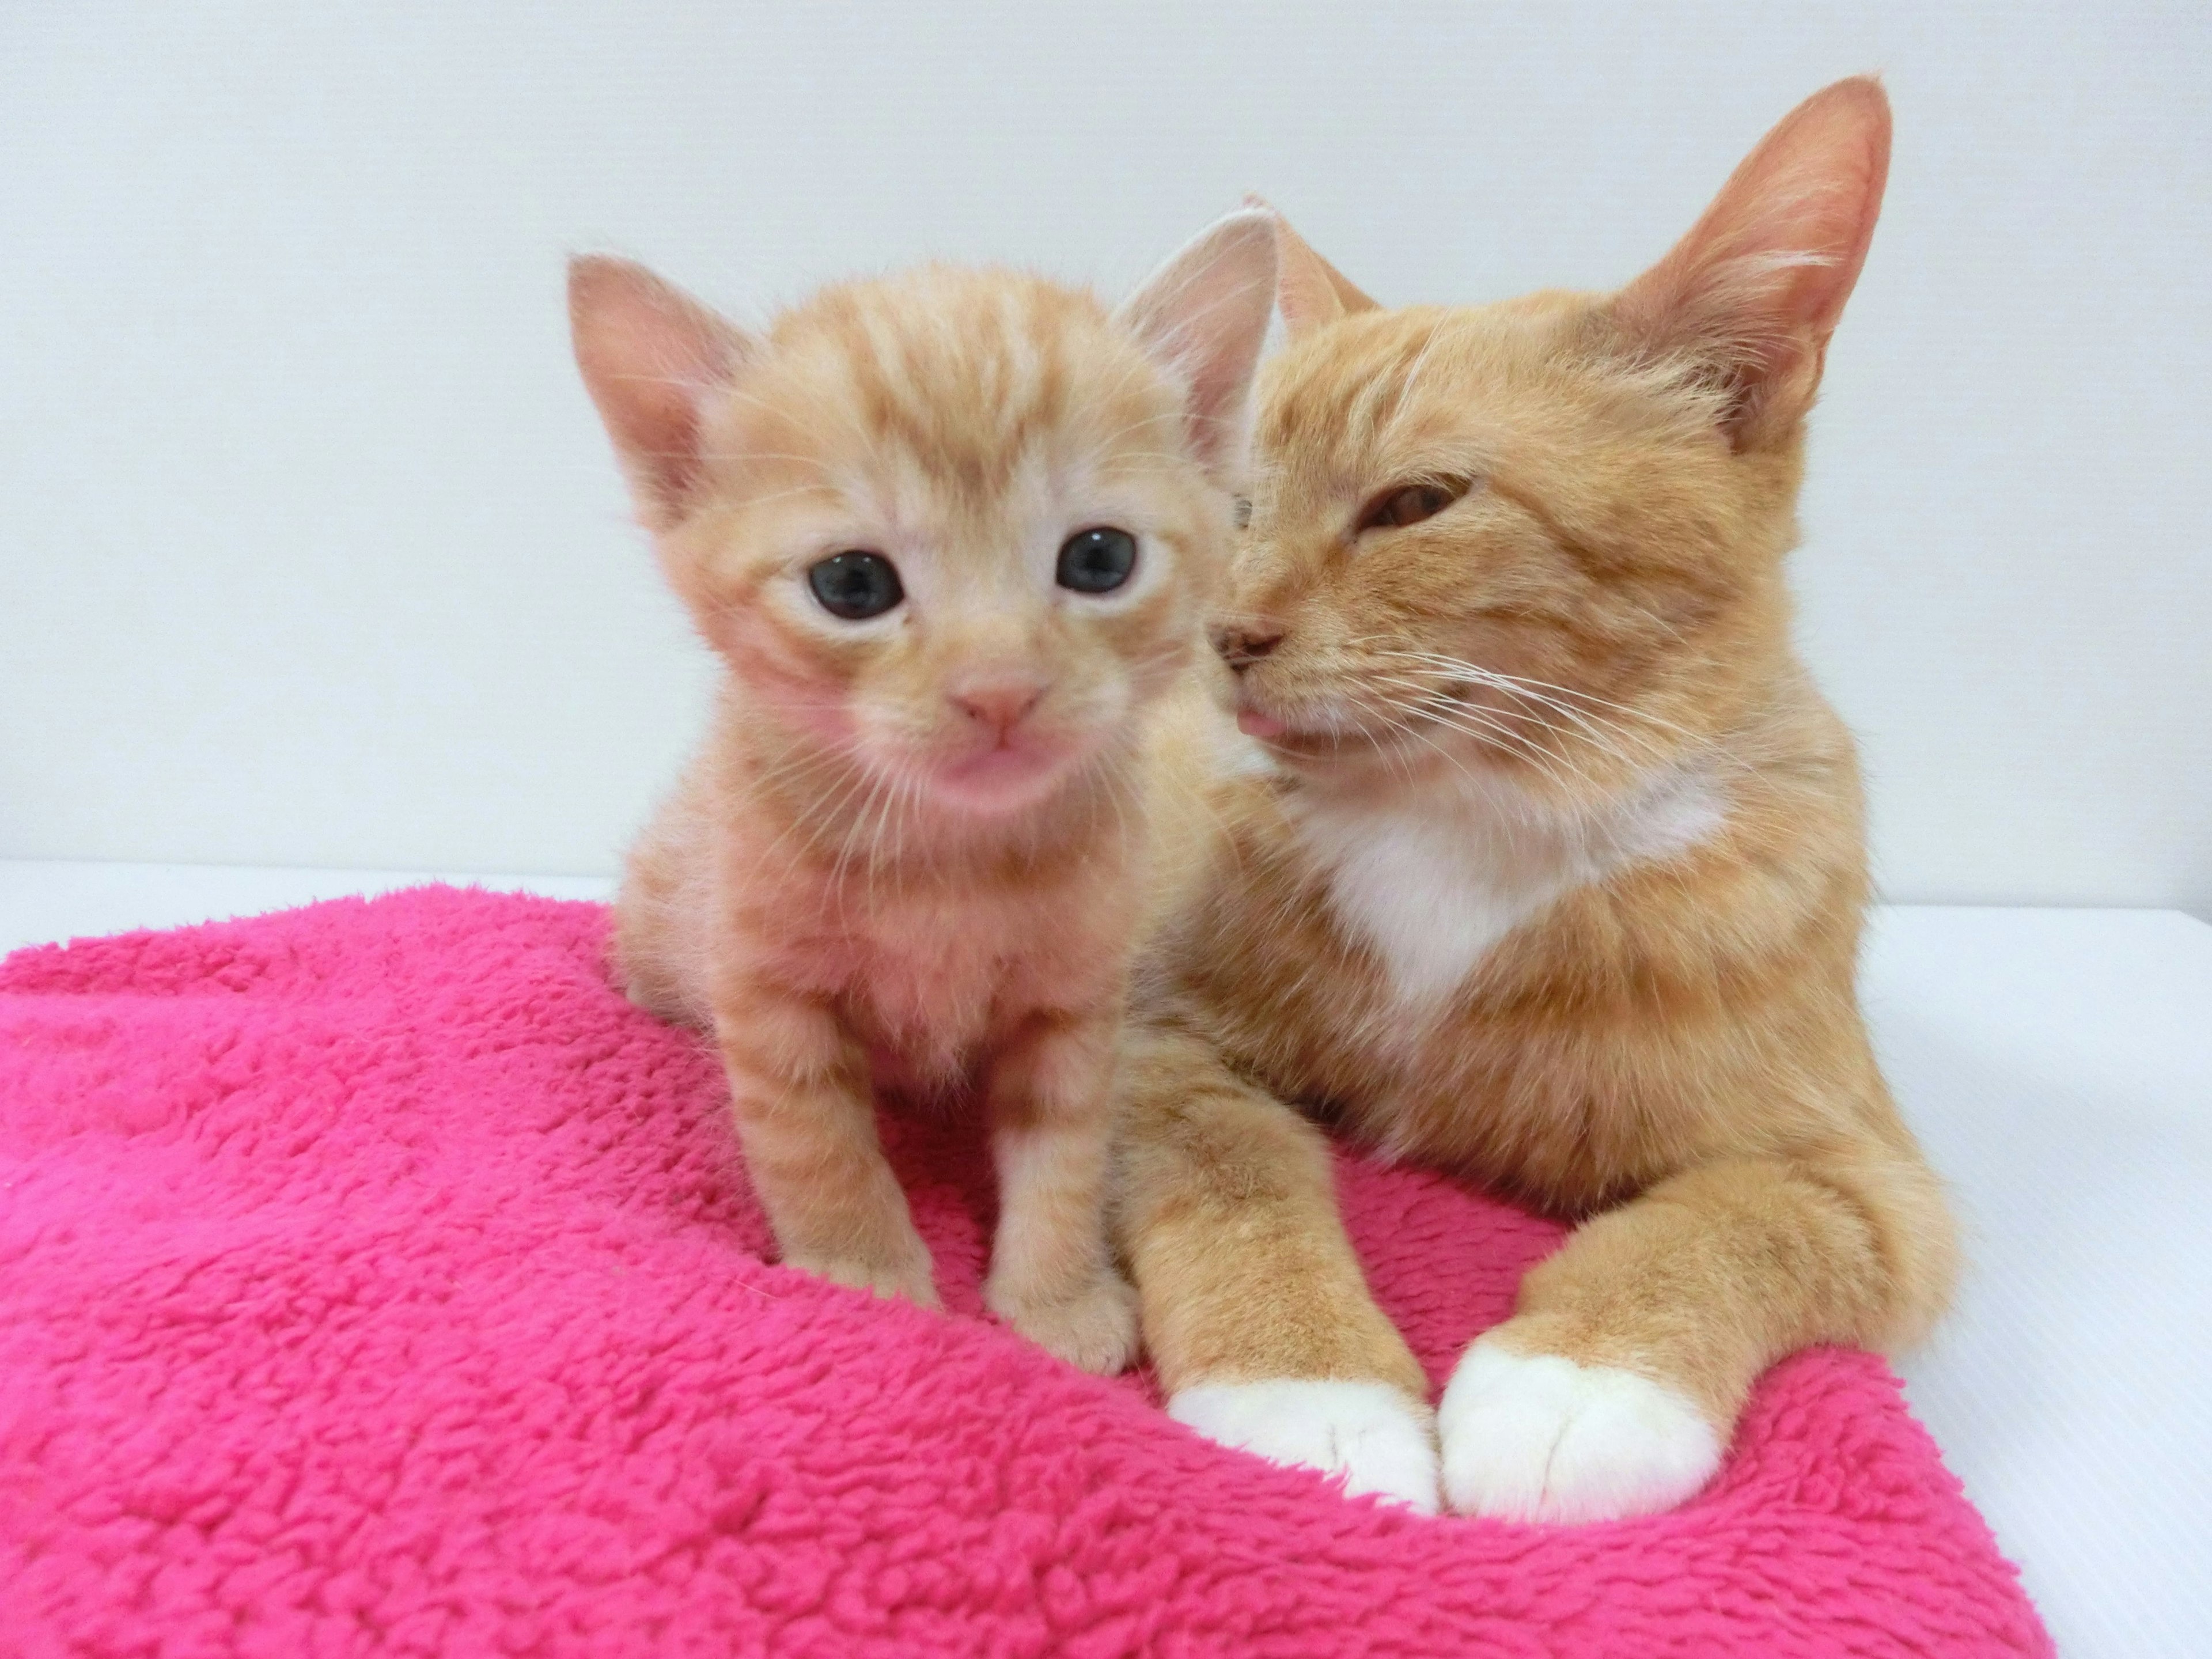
[1543, 537]
[951, 529]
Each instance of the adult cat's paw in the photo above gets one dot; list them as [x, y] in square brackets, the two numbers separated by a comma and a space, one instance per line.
[906, 1277]
[1374, 1438]
[1540, 1437]
[1094, 1329]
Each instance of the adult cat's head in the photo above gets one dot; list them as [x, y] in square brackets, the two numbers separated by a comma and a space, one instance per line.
[1541, 539]
[949, 530]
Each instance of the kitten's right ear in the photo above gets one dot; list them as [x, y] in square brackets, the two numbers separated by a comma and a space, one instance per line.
[1203, 316]
[651, 357]
[1311, 292]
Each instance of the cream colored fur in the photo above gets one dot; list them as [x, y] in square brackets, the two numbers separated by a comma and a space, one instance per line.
[926, 831]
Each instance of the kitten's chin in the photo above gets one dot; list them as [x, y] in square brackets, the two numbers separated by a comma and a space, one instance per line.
[1001, 782]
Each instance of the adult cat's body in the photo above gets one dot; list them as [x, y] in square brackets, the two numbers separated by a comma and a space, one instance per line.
[951, 535]
[1558, 882]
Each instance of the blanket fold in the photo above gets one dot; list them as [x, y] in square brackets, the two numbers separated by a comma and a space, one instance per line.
[373, 1279]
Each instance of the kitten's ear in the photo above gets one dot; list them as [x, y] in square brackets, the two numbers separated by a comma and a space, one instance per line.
[1203, 316]
[1310, 291]
[651, 356]
[1758, 284]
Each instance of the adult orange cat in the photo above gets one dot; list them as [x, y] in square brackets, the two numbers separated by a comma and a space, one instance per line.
[1555, 877]
[951, 536]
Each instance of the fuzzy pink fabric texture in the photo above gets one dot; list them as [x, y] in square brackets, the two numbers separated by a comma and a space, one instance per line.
[374, 1280]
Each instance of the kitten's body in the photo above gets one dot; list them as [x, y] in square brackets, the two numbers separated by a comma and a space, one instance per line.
[928, 825]
[1559, 883]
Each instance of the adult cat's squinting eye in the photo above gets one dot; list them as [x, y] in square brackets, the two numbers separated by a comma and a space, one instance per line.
[1405, 504]
[1097, 560]
[856, 584]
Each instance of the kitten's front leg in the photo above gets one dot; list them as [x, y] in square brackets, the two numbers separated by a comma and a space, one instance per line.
[1051, 1130]
[798, 1084]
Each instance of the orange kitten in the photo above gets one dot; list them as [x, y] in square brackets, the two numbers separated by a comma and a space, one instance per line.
[951, 535]
[1557, 884]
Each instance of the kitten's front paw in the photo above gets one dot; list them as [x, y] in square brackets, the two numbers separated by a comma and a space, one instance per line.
[1094, 1329]
[1540, 1437]
[910, 1280]
[1377, 1439]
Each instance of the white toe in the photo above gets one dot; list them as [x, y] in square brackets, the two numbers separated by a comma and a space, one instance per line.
[1539, 1437]
[1368, 1433]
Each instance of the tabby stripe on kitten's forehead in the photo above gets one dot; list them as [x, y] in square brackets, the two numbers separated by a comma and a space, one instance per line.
[950, 535]
[1558, 882]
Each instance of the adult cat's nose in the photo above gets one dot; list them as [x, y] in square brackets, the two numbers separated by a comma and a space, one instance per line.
[1000, 704]
[1240, 647]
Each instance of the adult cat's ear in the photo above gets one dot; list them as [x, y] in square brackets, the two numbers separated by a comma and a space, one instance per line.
[1310, 291]
[1758, 284]
[651, 356]
[1202, 316]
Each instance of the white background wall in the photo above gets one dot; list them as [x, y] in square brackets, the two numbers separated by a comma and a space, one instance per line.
[311, 552]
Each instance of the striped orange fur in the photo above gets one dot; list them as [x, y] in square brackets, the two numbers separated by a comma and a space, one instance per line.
[917, 849]
[1553, 875]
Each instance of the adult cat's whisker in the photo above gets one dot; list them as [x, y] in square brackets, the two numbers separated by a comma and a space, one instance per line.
[1446, 696]
[1486, 725]
[1533, 687]
[1601, 735]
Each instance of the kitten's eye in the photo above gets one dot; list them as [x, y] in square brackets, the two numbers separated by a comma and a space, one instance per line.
[855, 585]
[1409, 504]
[1241, 514]
[1097, 561]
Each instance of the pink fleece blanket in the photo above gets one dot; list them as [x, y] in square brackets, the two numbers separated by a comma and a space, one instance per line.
[372, 1279]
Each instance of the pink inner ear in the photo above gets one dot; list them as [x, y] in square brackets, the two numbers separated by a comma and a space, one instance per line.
[1764, 274]
[1204, 315]
[1310, 291]
[649, 355]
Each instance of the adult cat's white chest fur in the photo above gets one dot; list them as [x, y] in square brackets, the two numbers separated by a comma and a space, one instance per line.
[1431, 885]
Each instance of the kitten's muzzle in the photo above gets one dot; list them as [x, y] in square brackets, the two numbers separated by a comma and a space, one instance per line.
[999, 705]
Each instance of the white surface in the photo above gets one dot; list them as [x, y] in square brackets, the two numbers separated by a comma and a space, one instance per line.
[2058, 1066]
[310, 552]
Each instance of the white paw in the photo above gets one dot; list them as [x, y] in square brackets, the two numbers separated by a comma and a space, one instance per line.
[1370, 1434]
[1539, 1437]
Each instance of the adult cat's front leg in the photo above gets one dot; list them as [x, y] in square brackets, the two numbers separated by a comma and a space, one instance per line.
[1052, 1130]
[1614, 1388]
[1256, 1313]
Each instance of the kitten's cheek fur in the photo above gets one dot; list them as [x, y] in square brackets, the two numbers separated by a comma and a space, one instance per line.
[1541, 1438]
[1378, 1441]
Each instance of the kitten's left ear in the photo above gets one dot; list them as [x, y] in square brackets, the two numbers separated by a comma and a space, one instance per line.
[1758, 284]
[1202, 316]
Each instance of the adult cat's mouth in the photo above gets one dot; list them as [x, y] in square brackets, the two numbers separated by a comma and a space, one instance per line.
[1297, 739]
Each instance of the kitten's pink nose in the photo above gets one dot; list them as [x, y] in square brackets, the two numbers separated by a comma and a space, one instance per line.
[1001, 704]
